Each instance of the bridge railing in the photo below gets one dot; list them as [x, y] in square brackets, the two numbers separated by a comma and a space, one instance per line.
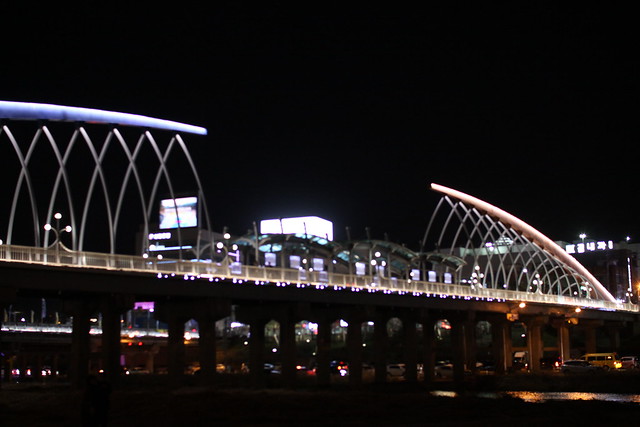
[58, 256]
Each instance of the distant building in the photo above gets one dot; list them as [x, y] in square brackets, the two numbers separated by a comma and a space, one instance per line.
[615, 265]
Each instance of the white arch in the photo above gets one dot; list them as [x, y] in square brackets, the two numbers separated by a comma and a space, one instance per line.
[98, 178]
[529, 232]
[36, 111]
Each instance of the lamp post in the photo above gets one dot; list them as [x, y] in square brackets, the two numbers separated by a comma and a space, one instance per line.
[57, 231]
[582, 237]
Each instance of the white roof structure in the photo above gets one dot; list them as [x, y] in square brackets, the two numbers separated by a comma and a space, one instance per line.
[35, 111]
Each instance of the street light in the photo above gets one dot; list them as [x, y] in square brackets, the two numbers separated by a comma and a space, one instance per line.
[582, 237]
[57, 231]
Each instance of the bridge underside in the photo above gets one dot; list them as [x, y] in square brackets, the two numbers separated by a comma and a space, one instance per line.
[87, 291]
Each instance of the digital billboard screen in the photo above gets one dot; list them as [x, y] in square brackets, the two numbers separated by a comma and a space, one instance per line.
[311, 225]
[182, 212]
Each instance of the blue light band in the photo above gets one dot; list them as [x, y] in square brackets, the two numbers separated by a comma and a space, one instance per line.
[35, 111]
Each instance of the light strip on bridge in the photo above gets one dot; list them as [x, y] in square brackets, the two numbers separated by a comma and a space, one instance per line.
[35, 111]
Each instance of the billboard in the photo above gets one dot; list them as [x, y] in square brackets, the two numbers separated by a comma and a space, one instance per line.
[311, 225]
[181, 212]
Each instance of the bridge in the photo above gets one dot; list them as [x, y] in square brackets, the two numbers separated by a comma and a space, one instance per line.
[476, 263]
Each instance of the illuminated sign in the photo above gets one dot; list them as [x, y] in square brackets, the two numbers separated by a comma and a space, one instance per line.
[144, 305]
[182, 212]
[166, 235]
[310, 225]
[580, 248]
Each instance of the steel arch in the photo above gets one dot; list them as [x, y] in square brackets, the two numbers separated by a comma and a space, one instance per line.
[62, 189]
[527, 261]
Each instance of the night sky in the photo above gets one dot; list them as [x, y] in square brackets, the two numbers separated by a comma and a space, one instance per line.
[349, 113]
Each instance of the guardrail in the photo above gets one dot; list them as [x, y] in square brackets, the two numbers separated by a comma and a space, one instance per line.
[57, 256]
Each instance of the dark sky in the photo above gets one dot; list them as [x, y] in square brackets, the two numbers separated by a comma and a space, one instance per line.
[350, 112]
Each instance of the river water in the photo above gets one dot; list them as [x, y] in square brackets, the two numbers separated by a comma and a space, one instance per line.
[538, 397]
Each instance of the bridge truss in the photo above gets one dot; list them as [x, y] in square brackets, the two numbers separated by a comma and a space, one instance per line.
[487, 248]
[479, 250]
[123, 171]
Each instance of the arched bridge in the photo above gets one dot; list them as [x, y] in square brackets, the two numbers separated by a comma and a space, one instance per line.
[478, 250]
[107, 173]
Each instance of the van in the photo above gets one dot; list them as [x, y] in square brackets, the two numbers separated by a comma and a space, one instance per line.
[520, 361]
[606, 360]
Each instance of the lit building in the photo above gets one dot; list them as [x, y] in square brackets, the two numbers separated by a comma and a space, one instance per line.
[615, 265]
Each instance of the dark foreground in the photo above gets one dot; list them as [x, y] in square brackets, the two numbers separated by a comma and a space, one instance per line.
[148, 404]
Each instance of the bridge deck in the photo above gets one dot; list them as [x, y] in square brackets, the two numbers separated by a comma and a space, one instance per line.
[286, 277]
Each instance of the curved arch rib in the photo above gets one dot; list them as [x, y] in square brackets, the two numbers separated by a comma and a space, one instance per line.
[36, 111]
[529, 232]
[26, 176]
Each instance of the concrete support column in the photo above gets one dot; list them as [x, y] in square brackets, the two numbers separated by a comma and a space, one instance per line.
[564, 342]
[470, 344]
[4, 368]
[500, 343]
[381, 344]
[410, 347]
[79, 358]
[207, 312]
[256, 352]
[288, 315]
[563, 337]
[110, 356]
[7, 296]
[429, 343]
[502, 347]
[463, 343]
[288, 352]
[534, 340]
[257, 316]
[175, 314]
[112, 308]
[323, 344]
[175, 347]
[458, 348]
[207, 348]
[354, 347]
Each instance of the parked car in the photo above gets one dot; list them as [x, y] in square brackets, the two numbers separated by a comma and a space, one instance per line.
[520, 361]
[368, 369]
[579, 367]
[396, 369]
[444, 370]
[630, 362]
[485, 368]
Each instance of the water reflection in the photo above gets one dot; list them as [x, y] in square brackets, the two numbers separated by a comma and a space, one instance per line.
[539, 397]
[536, 397]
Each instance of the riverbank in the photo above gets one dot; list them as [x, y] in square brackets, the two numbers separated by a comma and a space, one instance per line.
[610, 382]
[148, 402]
